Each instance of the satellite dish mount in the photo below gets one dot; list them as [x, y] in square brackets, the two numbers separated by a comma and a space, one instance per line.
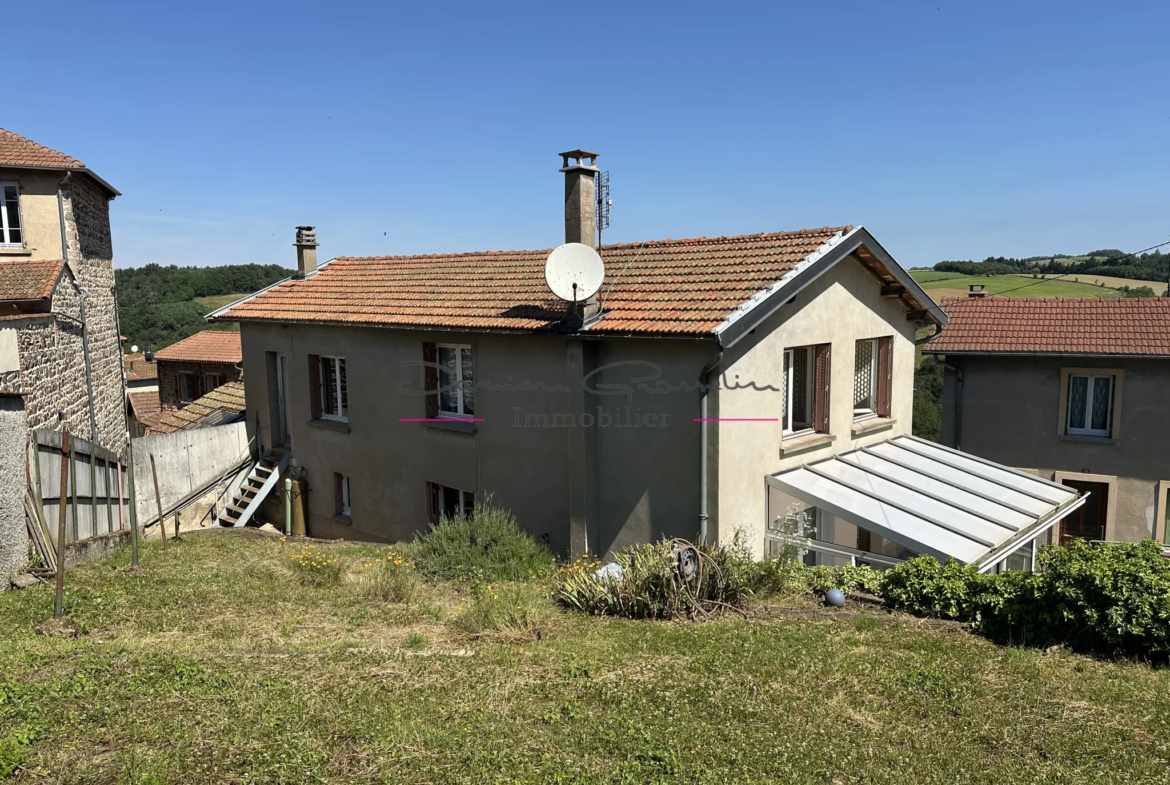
[574, 272]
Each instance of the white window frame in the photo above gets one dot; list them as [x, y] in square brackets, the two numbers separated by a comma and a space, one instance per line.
[809, 374]
[183, 376]
[1085, 430]
[337, 416]
[464, 498]
[865, 414]
[458, 349]
[4, 227]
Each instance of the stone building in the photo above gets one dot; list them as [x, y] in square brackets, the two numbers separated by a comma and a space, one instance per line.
[193, 367]
[56, 306]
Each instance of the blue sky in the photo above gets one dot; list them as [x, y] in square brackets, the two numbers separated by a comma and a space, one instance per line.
[951, 130]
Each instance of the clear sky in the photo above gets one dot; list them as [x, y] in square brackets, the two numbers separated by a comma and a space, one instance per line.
[951, 130]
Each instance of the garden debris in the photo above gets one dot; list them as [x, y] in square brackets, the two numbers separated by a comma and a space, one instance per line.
[25, 581]
[58, 628]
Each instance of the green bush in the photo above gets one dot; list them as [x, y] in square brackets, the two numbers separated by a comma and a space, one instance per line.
[518, 608]
[650, 586]
[488, 546]
[389, 578]
[1112, 598]
[786, 575]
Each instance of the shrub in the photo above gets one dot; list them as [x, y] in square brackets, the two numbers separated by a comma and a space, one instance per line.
[316, 568]
[389, 578]
[787, 575]
[924, 587]
[651, 587]
[505, 608]
[488, 546]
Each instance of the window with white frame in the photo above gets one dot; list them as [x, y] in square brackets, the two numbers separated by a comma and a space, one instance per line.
[865, 378]
[1090, 405]
[334, 392]
[447, 502]
[798, 390]
[456, 381]
[11, 233]
[341, 494]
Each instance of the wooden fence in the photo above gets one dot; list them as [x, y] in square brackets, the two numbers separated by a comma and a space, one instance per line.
[97, 494]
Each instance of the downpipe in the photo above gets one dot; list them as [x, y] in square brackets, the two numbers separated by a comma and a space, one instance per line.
[704, 375]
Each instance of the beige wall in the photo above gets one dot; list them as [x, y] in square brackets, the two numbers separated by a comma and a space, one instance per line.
[1011, 413]
[39, 212]
[841, 307]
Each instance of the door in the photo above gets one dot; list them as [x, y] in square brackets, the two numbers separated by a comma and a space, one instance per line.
[1088, 521]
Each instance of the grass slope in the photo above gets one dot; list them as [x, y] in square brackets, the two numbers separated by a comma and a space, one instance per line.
[218, 301]
[215, 665]
[940, 285]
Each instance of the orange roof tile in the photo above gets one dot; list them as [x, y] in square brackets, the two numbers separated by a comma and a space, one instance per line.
[15, 150]
[24, 279]
[144, 403]
[682, 287]
[227, 399]
[138, 368]
[208, 346]
[1129, 325]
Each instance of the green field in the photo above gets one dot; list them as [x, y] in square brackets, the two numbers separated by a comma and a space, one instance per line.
[219, 301]
[940, 284]
[215, 665]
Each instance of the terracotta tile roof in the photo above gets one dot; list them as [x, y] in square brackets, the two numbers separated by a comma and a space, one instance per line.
[137, 368]
[15, 150]
[222, 403]
[662, 287]
[24, 279]
[145, 403]
[1128, 325]
[209, 346]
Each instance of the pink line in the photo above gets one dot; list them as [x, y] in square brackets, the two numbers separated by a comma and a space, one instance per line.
[440, 419]
[737, 419]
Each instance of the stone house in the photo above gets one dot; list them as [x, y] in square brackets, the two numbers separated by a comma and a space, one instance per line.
[1072, 390]
[143, 408]
[677, 401]
[189, 369]
[57, 308]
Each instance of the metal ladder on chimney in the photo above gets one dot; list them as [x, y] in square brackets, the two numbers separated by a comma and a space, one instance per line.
[254, 490]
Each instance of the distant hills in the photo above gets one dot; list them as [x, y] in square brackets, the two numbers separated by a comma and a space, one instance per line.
[1109, 262]
[160, 305]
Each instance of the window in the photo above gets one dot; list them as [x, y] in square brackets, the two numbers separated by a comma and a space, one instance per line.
[188, 387]
[328, 392]
[450, 380]
[341, 494]
[1090, 405]
[806, 390]
[10, 230]
[872, 378]
[211, 381]
[445, 502]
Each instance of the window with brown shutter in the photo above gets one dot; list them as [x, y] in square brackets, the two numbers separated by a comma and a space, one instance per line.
[885, 380]
[823, 367]
[315, 386]
[431, 381]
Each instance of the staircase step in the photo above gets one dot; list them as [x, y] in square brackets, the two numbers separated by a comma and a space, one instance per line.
[264, 470]
[237, 510]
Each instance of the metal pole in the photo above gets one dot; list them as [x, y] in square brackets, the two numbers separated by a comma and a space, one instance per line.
[162, 525]
[93, 519]
[133, 507]
[121, 497]
[109, 490]
[288, 506]
[59, 603]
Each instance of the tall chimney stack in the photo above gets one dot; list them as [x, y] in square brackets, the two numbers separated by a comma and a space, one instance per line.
[580, 197]
[306, 244]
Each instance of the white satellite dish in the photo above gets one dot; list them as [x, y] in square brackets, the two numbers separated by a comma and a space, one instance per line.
[574, 272]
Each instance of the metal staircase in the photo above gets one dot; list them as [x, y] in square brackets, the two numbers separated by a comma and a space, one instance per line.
[255, 489]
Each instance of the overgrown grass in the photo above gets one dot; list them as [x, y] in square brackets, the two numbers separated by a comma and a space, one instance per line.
[510, 608]
[216, 665]
[487, 547]
[389, 578]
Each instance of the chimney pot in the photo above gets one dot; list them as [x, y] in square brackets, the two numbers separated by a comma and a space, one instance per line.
[580, 196]
[306, 244]
[976, 290]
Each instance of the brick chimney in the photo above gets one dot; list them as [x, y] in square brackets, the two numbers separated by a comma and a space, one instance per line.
[306, 244]
[580, 167]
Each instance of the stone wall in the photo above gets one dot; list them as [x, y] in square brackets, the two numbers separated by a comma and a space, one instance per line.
[13, 459]
[168, 379]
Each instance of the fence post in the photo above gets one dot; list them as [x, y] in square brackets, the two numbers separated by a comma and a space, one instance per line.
[109, 490]
[59, 602]
[133, 506]
[121, 497]
[162, 526]
[73, 480]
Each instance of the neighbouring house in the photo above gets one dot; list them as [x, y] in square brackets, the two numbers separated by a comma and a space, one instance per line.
[221, 406]
[60, 355]
[709, 388]
[196, 365]
[143, 408]
[1073, 390]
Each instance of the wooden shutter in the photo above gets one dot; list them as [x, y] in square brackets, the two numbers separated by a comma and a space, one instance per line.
[885, 378]
[821, 388]
[315, 386]
[338, 494]
[432, 500]
[431, 357]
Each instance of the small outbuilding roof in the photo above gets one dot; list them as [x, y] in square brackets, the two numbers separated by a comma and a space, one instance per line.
[932, 499]
[208, 346]
[224, 404]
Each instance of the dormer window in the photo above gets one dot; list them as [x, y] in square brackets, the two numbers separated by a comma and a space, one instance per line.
[11, 235]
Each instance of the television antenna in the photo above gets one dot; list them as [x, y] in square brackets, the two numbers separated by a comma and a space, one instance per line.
[574, 272]
[604, 203]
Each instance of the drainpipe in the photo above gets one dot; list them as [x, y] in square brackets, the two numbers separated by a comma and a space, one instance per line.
[703, 376]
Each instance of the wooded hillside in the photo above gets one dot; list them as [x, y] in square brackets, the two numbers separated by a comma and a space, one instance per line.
[1108, 261]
